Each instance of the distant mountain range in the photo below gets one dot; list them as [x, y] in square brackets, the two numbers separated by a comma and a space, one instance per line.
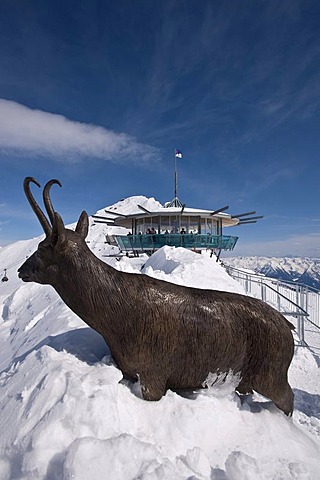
[296, 269]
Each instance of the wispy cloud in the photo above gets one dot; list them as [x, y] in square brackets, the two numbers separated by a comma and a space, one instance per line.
[27, 131]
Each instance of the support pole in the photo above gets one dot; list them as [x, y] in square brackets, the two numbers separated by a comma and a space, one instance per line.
[175, 177]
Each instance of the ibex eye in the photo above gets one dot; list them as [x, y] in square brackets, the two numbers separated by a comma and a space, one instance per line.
[41, 253]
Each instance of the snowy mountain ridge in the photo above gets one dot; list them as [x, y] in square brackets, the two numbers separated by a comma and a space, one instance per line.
[295, 269]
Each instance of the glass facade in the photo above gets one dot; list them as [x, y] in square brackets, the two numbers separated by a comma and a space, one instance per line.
[209, 226]
[175, 224]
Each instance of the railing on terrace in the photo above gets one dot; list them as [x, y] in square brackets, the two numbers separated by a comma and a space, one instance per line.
[145, 242]
[291, 299]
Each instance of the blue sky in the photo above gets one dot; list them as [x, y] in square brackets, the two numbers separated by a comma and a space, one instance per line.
[99, 94]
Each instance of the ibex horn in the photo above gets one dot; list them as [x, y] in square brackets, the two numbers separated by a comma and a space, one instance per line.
[35, 207]
[47, 200]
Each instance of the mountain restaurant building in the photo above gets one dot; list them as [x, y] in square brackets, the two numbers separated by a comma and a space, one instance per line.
[175, 225]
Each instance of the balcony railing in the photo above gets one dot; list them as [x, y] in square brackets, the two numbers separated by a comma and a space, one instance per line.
[145, 242]
[300, 302]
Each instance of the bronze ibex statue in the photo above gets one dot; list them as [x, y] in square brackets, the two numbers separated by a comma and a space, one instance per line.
[167, 336]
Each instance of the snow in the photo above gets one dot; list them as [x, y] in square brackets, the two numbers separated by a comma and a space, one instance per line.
[184, 267]
[129, 205]
[65, 411]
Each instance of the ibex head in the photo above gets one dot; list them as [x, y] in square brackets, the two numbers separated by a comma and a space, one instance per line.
[59, 243]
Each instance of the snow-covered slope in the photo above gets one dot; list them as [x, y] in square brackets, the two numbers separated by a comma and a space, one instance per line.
[296, 269]
[65, 413]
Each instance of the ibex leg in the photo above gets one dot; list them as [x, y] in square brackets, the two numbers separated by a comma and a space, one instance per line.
[153, 387]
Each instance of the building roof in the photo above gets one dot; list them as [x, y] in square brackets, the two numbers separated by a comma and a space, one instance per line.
[227, 219]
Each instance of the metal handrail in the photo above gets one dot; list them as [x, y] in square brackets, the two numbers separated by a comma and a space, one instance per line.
[279, 298]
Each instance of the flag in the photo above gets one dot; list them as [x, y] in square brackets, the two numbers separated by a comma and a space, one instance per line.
[178, 154]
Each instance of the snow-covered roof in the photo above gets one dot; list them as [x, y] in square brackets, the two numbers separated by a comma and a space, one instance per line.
[140, 207]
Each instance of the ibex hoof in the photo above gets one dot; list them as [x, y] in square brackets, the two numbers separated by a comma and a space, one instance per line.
[152, 391]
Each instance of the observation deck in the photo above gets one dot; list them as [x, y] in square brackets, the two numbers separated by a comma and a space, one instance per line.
[152, 242]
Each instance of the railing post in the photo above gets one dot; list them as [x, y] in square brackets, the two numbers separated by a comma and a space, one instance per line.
[278, 296]
[297, 295]
[263, 293]
[301, 320]
[299, 327]
[302, 330]
[306, 303]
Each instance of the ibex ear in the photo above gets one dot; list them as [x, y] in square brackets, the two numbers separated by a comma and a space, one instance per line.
[58, 235]
[83, 225]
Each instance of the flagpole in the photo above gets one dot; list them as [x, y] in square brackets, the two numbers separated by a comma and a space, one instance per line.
[175, 176]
